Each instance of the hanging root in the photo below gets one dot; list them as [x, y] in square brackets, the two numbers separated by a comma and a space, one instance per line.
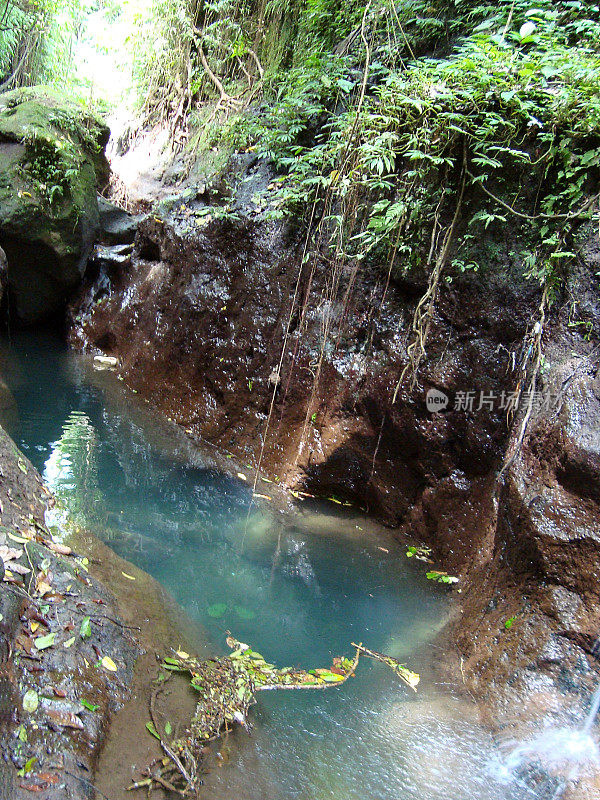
[531, 361]
[424, 311]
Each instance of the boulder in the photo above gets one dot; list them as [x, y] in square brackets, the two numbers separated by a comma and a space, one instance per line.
[118, 227]
[51, 164]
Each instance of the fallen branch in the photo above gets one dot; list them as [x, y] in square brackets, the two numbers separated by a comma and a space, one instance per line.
[409, 678]
[227, 688]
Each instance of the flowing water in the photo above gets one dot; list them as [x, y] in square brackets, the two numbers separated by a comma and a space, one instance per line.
[297, 586]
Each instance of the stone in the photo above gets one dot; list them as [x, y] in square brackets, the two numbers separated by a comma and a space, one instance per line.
[51, 165]
[117, 226]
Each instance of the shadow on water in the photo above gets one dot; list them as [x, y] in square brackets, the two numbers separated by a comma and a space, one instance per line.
[303, 587]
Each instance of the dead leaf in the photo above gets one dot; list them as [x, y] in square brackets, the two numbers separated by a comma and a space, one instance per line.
[43, 583]
[61, 549]
[64, 718]
[20, 569]
[9, 553]
[18, 539]
[109, 664]
[25, 643]
[48, 777]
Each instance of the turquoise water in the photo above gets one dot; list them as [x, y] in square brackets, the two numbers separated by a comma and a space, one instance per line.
[298, 586]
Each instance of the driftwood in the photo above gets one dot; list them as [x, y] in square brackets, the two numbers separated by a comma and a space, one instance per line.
[227, 687]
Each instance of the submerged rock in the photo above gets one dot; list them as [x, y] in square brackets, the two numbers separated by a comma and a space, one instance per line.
[52, 162]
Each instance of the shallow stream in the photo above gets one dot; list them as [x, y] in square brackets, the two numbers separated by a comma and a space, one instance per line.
[298, 586]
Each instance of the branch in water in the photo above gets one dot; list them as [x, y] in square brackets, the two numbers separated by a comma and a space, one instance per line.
[227, 688]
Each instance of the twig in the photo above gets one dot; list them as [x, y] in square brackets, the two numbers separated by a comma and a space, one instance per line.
[270, 687]
[174, 758]
[569, 216]
[406, 675]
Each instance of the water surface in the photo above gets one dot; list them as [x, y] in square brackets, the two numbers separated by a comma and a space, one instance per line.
[298, 587]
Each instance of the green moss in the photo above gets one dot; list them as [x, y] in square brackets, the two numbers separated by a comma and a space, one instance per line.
[51, 161]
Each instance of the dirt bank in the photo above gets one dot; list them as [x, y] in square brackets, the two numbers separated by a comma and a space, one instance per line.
[74, 654]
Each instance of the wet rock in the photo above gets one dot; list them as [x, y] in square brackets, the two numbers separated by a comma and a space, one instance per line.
[52, 163]
[117, 226]
[3, 273]
[8, 405]
[105, 362]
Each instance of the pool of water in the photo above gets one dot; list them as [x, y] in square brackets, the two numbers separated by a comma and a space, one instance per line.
[300, 587]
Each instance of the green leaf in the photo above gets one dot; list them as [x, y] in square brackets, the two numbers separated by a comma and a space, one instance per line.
[28, 767]
[151, 729]
[441, 577]
[217, 610]
[244, 613]
[86, 628]
[527, 29]
[70, 642]
[43, 642]
[168, 728]
[31, 701]
[345, 86]
[89, 706]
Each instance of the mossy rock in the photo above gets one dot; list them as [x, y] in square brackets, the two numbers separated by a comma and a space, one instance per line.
[52, 163]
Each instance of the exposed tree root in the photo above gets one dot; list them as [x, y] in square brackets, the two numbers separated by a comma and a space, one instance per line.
[226, 101]
[424, 311]
[530, 364]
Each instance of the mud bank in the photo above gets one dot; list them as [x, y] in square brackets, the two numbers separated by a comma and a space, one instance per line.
[75, 654]
[199, 317]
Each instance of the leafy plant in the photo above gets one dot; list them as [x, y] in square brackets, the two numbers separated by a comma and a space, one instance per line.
[441, 577]
[420, 553]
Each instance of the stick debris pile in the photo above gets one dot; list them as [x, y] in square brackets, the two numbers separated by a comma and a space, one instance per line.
[227, 687]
